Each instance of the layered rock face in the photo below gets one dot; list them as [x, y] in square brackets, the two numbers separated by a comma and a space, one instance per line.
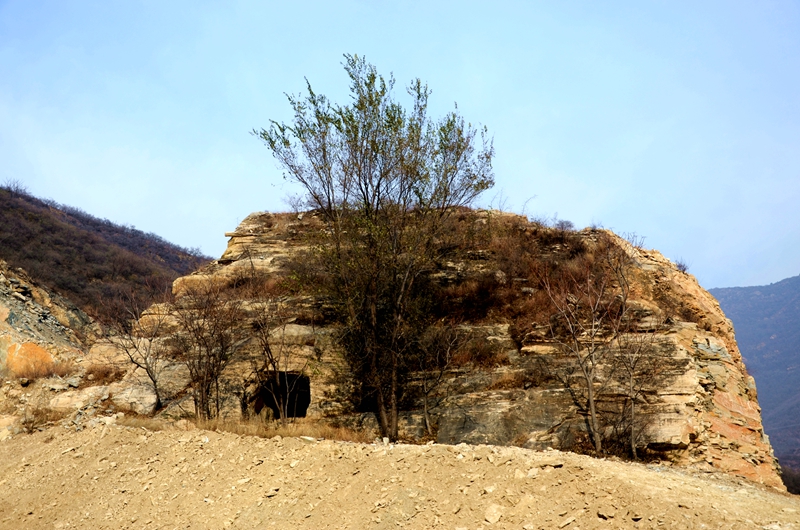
[37, 327]
[703, 414]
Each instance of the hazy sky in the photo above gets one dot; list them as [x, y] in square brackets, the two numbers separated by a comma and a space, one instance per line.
[679, 121]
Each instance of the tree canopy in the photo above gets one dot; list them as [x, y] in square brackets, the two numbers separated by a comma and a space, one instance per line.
[385, 179]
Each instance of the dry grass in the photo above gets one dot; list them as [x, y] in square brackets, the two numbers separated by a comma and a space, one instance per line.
[39, 369]
[103, 374]
[37, 417]
[508, 381]
[480, 353]
[143, 422]
[299, 427]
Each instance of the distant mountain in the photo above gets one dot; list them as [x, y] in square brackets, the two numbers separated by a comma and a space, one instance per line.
[91, 261]
[767, 323]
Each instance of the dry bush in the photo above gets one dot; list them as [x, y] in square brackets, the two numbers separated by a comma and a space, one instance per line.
[37, 417]
[471, 300]
[480, 353]
[103, 374]
[300, 427]
[40, 368]
[508, 381]
[34, 369]
[64, 368]
[529, 378]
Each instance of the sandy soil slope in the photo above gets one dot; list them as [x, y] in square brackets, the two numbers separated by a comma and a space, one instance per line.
[121, 477]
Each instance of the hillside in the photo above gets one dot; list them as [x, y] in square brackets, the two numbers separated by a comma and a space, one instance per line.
[108, 476]
[767, 322]
[88, 260]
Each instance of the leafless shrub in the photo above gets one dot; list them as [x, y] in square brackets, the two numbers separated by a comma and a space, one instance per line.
[563, 225]
[209, 319]
[37, 416]
[589, 302]
[681, 265]
[15, 186]
[641, 366]
[435, 351]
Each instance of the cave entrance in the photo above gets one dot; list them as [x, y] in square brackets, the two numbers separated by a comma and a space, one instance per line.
[293, 388]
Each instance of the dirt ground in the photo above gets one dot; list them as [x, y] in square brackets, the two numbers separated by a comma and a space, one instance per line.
[123, 477]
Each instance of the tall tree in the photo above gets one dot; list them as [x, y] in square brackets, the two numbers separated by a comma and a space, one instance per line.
[385, 179]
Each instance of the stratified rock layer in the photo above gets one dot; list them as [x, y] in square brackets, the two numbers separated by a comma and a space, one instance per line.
[706, 414]
[37, 327]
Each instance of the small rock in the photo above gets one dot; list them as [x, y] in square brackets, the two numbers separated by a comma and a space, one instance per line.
[24, 381]
[605, 513]
[493, 513]
[566, 522]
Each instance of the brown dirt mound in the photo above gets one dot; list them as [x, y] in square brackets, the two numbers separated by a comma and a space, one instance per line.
[124, 477]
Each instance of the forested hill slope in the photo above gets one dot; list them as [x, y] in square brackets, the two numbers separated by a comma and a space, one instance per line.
[89, 260]
[767, 322]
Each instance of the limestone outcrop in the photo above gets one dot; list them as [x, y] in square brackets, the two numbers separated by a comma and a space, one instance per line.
[37, 327]
[704, 415]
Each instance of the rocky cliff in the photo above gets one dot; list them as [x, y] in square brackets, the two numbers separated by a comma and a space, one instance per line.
[38, 328]
[704, 413]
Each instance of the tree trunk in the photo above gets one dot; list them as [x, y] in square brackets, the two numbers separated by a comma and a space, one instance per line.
[383, 418]
[633, 421]
[393, 400]
[426, 413]
[593, 427]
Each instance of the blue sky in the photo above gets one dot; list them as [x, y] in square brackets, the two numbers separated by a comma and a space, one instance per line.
[679, 121]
